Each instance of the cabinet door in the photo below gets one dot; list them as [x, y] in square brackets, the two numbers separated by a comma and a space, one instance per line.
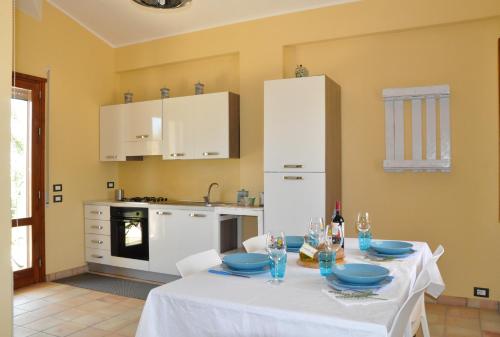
[294, 125]
[111, 133]
[211, 122]
[292, 200]
[178, 130]
[143, 128]
[176, 234]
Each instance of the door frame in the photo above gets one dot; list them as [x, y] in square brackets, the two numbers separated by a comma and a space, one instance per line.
[37, 274]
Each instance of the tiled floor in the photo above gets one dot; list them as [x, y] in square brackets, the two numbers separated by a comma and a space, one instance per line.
[51, 309]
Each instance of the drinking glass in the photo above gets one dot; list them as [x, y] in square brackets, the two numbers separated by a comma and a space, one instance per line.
[334, 238]
[316, 231]
[276, 249]
[364, 234]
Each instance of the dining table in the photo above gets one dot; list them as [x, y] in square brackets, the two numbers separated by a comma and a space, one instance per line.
[208, 304]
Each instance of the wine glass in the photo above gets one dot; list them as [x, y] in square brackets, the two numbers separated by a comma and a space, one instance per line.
[334, 237]
[363, 225]
[316, 231]
[276, 249]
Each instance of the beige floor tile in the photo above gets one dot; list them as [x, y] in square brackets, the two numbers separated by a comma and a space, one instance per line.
[70, 314]
[438, 309]
[22, 299]
[129, 330]
[41, 334]
[112, 299]
[436, 330]
[18, 311]
[44, 324]
[489, 315]
[93, 306]
[456, 331]
[74, 301]
[466, 323]
[29, 317]
[90, 332]
[94, 295]
[133, 303]
[65, 329]
[51, 309]
[131, 314]
[33, 305]
[113, 324]
[463, 312]
[20, 331]
[492, 326]
[113, 310]
[90, 319]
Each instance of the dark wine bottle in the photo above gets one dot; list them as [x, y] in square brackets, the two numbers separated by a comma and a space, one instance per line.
[338, 220]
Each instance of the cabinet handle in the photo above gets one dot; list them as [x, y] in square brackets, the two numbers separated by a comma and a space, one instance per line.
[197, 215]
[293, 178]
[99, 242]
[292, 166]
[97, 256]
[97, 227]
[111, 157]
[180, 154]
[96, 212]
[142, 136]
[163, 213]
[210, 153]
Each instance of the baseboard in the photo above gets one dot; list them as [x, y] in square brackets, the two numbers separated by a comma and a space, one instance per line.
[66, 273]
[465, 302]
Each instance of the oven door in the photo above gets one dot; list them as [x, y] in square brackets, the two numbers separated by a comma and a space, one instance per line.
[129, 238]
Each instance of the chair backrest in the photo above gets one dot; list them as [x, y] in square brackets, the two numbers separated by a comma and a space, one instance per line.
[401, 326]
[255, 244]
[437, 253]
[198, 262]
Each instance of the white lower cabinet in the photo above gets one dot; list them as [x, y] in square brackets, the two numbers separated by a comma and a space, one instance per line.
[175, 234]
[291, 201]
[97, 255]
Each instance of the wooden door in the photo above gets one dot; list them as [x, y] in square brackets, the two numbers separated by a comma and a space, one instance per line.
[27, 179]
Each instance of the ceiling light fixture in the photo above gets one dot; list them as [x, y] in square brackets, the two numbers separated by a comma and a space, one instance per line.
[162, 4]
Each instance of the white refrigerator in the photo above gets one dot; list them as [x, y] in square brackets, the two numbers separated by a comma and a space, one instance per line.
[302, 152]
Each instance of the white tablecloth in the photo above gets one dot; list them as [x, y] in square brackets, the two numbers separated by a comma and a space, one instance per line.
[205, 304]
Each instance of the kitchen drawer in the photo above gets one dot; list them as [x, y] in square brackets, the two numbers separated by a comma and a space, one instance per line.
[97, 241]
[96, 212]
[97, 227]
[97, 256]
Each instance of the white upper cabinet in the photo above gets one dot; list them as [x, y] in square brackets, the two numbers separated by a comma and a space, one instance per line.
[143, 128]
[201, 126]
[111, 133]
[294, 125]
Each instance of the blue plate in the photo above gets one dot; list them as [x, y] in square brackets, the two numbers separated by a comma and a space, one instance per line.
[294, 241]
[391, 247]
[245, 272]
[360, 273]
[373, 252]
[246, 261]
[338, 284]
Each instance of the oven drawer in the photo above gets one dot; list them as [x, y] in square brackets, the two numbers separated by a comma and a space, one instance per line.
[97, 227]
[97, 241]
[96, 212]
[97, 255]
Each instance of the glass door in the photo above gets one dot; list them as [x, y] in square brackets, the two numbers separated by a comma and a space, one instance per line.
[27, 179]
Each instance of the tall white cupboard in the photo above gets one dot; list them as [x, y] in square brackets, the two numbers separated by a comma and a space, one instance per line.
[302, 152]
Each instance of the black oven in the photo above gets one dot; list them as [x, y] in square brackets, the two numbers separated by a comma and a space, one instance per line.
[129, 233]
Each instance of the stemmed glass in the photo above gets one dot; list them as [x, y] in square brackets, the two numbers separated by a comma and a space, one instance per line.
[276, 248]
[316, 231]
[363, 225]
[334, 238]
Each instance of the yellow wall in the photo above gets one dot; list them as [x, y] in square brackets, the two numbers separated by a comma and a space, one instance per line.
[82, 78]
[5, 223]
[364, 46]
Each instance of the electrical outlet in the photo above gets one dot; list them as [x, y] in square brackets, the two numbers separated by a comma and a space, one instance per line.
[481, 292]
[110, 184]
[57, 188]
[57, 198]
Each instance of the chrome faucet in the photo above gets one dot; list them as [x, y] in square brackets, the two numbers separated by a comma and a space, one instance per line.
[207, 197]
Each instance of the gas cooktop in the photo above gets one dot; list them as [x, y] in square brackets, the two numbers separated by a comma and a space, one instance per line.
[152, 200]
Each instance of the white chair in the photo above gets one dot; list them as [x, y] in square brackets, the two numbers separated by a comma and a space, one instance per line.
[419, 316]
[255, 244]
[401, 327]
[198, 262]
